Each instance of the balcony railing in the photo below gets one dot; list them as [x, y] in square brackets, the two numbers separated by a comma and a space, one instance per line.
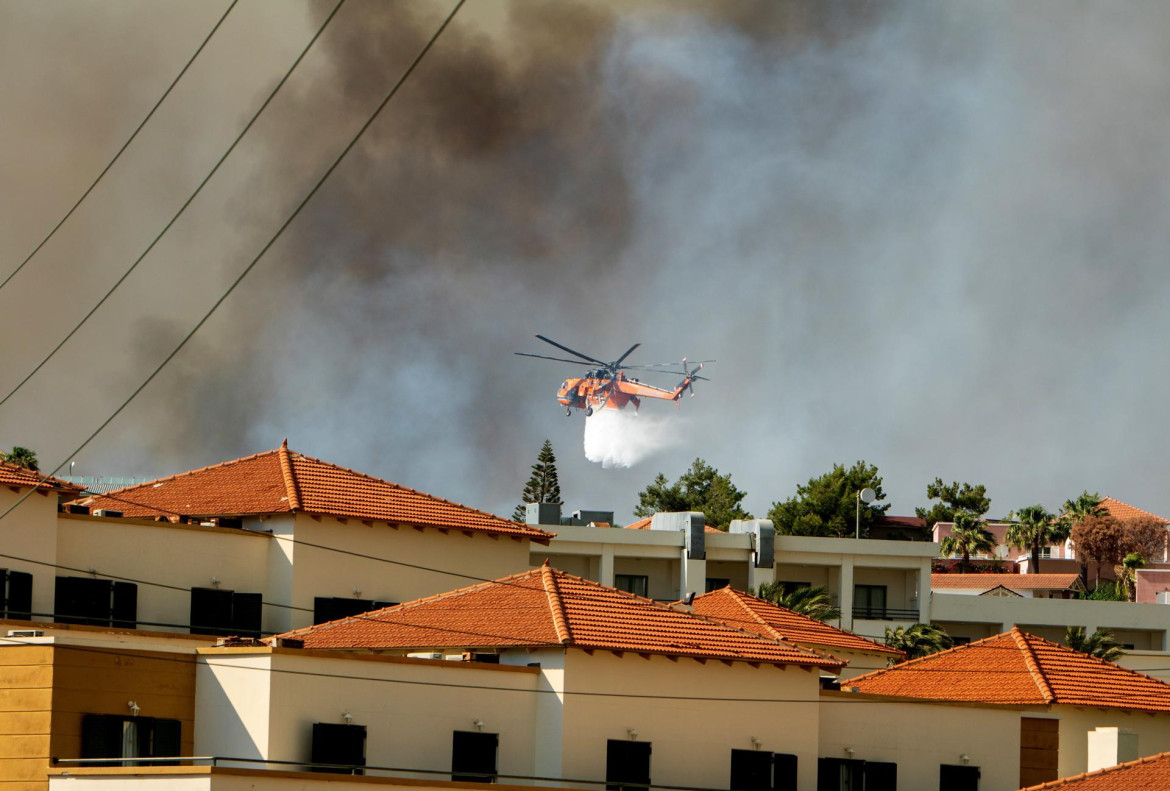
[884, 614]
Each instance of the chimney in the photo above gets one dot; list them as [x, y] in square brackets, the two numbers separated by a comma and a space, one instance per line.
[542, 513]
[1110, 747]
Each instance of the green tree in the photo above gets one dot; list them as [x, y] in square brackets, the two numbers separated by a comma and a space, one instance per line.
[813, 601]
[1129, 566]
[968, 537]
[1100, 643]
[22, 457]
[701, 488]
[918, 640]
[826, 506]
[1034, 529]
[952, 497]
[542, 486]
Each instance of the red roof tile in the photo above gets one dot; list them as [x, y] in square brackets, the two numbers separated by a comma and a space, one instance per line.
[282, 481]
[644, 524]
[1151, 773]
[753, 614]
[1017, 668]
[15, 475]
[546, 607]
[1120, 510]
[1010, 581]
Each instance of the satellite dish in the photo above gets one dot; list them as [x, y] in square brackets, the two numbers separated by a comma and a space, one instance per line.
[1001, 552]
[868, 495]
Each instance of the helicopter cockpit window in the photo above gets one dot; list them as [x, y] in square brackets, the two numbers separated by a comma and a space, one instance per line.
[564, 384]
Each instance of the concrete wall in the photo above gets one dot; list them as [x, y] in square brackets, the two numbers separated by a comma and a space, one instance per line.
[235, 779]
[1153, 732]
[919, 737]
[31, 532]
[691, 739]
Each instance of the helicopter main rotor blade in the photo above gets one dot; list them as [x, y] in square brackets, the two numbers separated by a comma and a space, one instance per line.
[664, 365]
[572, 352]
[618, 361]
[543, 357]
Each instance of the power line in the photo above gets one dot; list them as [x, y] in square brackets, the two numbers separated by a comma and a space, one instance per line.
[177, 214]
[390, 95]
[125, 145]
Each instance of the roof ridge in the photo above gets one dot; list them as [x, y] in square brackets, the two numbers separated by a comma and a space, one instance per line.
[151, 483]
[1127, 505]
[1021, 639]
[555, 604]
[288, 474]
[738, 597]
[919, 660]
[811, 621]
[49, 480]
[429, 496]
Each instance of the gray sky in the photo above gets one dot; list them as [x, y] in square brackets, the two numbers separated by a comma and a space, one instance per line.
[930, 236]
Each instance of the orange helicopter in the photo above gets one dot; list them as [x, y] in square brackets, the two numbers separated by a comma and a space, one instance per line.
[607, 385]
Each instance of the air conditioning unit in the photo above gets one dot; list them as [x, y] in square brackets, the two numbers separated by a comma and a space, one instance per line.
[26, 633]
[106, 512]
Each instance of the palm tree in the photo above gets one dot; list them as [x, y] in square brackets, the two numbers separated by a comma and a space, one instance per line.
[1099, 644]
[1129, 566]
[813, 601]
[22, 457]
[1073, 511]
[968, 537]
[1034, 529]
[918, 640]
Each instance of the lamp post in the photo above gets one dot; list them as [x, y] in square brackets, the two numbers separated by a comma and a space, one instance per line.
[867, 496]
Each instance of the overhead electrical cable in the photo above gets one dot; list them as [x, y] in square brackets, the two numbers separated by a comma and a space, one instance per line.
[125, 145]
[179, 213]
[239, 279]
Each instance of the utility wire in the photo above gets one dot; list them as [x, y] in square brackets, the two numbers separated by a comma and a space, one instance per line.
[125, 145]
[177, 214]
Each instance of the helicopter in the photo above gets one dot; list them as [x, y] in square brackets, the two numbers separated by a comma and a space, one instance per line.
[606, 385]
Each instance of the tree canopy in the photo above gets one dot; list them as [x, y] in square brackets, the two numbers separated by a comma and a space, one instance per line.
[543, 485]
[814, 601]
[1035, 529]
[701, 488]
[952, 497]
[1100, 643]
[21, 456]
[918, 640]
[968, 537]
[1101, 539]
[826, 506]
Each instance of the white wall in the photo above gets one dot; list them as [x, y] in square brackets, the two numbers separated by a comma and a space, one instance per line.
[31, 532]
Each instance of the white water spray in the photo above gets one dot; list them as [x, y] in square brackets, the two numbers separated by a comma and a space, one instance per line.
[622, 437]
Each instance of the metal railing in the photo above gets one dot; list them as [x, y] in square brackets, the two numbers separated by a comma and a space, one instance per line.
[884, 614]
[387, 771]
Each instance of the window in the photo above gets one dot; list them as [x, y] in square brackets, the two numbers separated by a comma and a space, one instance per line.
[115, 736]
[332, 608]
[958, 778]
[869, 601]
[880, 776]
[341, 747]
[757, 770]
[16, 590]
[473, 756]
[224, 612]
[96, 602]
[840, 774]
[626, 762]
[717, 583]
[632, 583]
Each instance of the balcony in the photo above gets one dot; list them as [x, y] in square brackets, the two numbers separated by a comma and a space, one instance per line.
[884, 614]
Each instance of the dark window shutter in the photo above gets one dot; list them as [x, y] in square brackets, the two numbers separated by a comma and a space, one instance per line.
[246, 614]
[784, 772]
[332, 608]
[952, 777]
[881, 776]
[473, 756]
[19, 601]
[124, 612]
[82, 600]
[339, 744]
[381, 605]
[835, 774]
[101, 736]
[211, 611]
[166, 741]
[626, 762]
[751, 770]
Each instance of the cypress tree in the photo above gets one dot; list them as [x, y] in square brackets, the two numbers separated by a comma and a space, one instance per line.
[543, 486]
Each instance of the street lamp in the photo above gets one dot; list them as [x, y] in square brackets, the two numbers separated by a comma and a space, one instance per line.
[867, 496]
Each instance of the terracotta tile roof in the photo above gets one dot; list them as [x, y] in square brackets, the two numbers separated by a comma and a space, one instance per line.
[1017, 668]
[1120, 510]
[15, 475]
[282, 481]
[753, 614]
[644, 524]
[546, 607]
[1151, 773]
[1009, 581]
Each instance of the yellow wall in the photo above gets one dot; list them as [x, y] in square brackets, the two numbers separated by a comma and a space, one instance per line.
[919, 737]
[692, 740]
[1153, 733]
[26, 690]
